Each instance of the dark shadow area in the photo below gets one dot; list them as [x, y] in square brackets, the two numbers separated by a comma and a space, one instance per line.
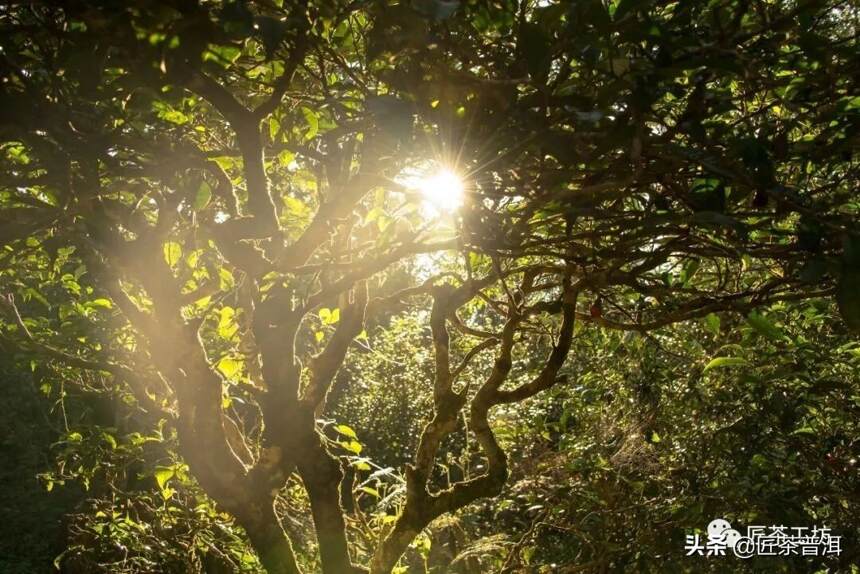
[31, 521]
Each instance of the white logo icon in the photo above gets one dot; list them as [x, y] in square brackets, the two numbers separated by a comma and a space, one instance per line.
[722, 535]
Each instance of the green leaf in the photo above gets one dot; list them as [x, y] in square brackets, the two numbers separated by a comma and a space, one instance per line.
[227, 282]
[202, 197]
[162, 475]
[371, 491]
[689, 270]
[850, 103]
[764, 326]
[285, 158]
[39, 297]
[313, 123]
[274, 128]
[297, 210]
[223, 55]
[227, 325]
[712, 323]
[192, 258]
[373, 214]
[352, 446]
[172, 253]
[720, 362]
[110, 440]
[329, 316]
[346, 431]
[169, 114]
[18, 154]
[229, 367]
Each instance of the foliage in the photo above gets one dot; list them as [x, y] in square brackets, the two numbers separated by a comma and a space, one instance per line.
[649, 445]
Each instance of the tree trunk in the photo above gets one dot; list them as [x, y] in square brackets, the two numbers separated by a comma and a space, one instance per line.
[271, 543]
[322, 477]
[395, 544]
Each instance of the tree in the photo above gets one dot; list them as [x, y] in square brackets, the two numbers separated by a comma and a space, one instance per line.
[209, 201]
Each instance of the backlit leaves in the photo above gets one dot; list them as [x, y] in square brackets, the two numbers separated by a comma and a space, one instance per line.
[329, 316]
[202, 197]
[172, 253]
[230, 367]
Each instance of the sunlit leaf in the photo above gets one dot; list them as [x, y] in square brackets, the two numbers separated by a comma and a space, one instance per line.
[162, 475]
[352, 446]
[346, 431]
[721, 362]
[202, 197]
[172, 253]
[229, 367]
[313, 123]
[371, 491]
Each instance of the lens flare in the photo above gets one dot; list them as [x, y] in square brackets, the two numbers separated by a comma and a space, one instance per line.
[442, 190]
